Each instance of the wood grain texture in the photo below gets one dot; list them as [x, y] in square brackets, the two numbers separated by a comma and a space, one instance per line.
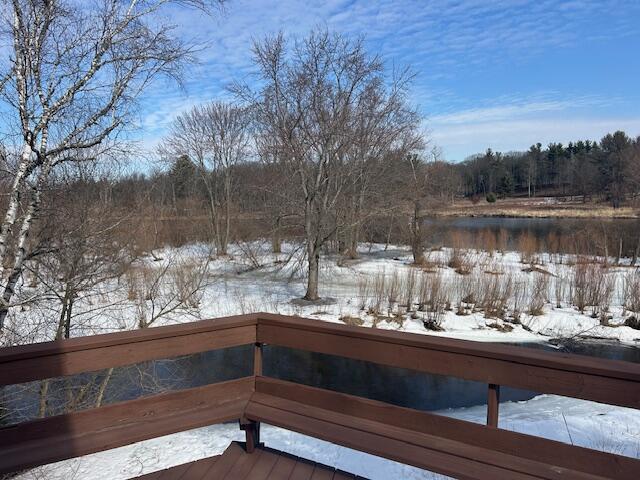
[18, 366]
[438, 443]
[606, 381]
[448, 446]
[264, 464]
[72, 435]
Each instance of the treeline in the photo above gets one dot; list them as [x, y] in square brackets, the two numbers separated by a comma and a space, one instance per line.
[608, 170]
[324, 149]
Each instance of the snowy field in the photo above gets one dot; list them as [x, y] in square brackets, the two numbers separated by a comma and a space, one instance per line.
[260, 281]
[252, 279]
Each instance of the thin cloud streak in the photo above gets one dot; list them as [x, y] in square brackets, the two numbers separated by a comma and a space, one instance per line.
[459, 140]
[449, 43]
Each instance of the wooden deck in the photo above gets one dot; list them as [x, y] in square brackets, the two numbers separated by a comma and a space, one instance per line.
[451, 447]
[264, 463]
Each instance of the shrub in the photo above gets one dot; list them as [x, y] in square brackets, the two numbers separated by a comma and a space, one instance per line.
[520, 290]
[460, 261]
[579, 282]
[539, 294]
[496, 292]
[363, 292]
[503, 240]
[352, 321]
[491, 197]
[592, 286]
[528, 246]
[559, 289]
[393, 288]
[631, 292]
[632, 322]
[409, 284]
[379, 290]
[466, 291]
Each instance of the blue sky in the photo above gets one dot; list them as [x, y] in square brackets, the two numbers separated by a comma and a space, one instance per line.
[501, 74]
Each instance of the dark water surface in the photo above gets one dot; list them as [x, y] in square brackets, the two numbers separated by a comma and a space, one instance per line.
[567, 235]
[389, 384]
[408, 388]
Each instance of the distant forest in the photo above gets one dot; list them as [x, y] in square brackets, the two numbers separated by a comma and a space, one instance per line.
[609, 169]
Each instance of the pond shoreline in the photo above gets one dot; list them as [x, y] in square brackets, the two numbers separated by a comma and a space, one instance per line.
[535, 207]
[559, 214]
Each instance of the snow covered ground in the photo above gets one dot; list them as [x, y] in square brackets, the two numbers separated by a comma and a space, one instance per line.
[236, 284]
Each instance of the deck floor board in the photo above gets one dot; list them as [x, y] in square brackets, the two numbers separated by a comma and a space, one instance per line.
[263, 464]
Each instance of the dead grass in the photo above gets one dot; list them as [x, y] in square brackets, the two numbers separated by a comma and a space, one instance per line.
[501, 327]
[631, 291]
[536, 208]
[539, 294]
[528, 247]
[352, 321]
[496, 292]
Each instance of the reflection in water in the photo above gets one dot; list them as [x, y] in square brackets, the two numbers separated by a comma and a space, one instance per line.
[397, 386]
[388, 384]
[27, 401]
[559, 235]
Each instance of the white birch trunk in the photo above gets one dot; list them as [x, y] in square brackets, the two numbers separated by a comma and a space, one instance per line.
[14, 204]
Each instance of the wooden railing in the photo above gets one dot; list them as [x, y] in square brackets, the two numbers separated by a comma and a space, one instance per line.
[445, 445]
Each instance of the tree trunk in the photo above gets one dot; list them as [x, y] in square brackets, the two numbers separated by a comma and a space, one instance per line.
[636, 253]
[67, 323]
[276, 242]
[417, 249]
[620, 246]
[103, 387]
[44, 390]
[21, 247]
[14, 204]
[63, 317]
[227, 220]
[389, 232]
[312, 280]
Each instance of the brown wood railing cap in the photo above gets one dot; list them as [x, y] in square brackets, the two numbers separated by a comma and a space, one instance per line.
[511, 353]
[34, 350]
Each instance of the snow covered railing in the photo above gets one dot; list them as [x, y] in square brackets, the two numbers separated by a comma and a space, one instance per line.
[445, 445]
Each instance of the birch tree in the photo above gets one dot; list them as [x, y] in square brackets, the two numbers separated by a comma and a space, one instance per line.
[73, 74]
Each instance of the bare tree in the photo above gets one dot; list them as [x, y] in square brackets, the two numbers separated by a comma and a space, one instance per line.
[384, 123]
[308, 107]
[216, 137]
[171, 290]
[79, 249]
[73, 74]
[417, 178]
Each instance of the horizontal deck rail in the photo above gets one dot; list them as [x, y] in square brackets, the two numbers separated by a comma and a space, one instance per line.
[606, 381]
[441, 444]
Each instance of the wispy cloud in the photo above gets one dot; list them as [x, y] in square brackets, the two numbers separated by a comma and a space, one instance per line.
[447, 42]
[518, 107]
[460, 140]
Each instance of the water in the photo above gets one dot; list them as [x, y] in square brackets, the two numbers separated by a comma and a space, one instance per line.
[388, 384]
[565, 235]
[407, 388]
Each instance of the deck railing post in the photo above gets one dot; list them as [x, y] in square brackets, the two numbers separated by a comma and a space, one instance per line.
[257, 371]
[252, 433]
[257, 359]
[493, 403]
[252, 428]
